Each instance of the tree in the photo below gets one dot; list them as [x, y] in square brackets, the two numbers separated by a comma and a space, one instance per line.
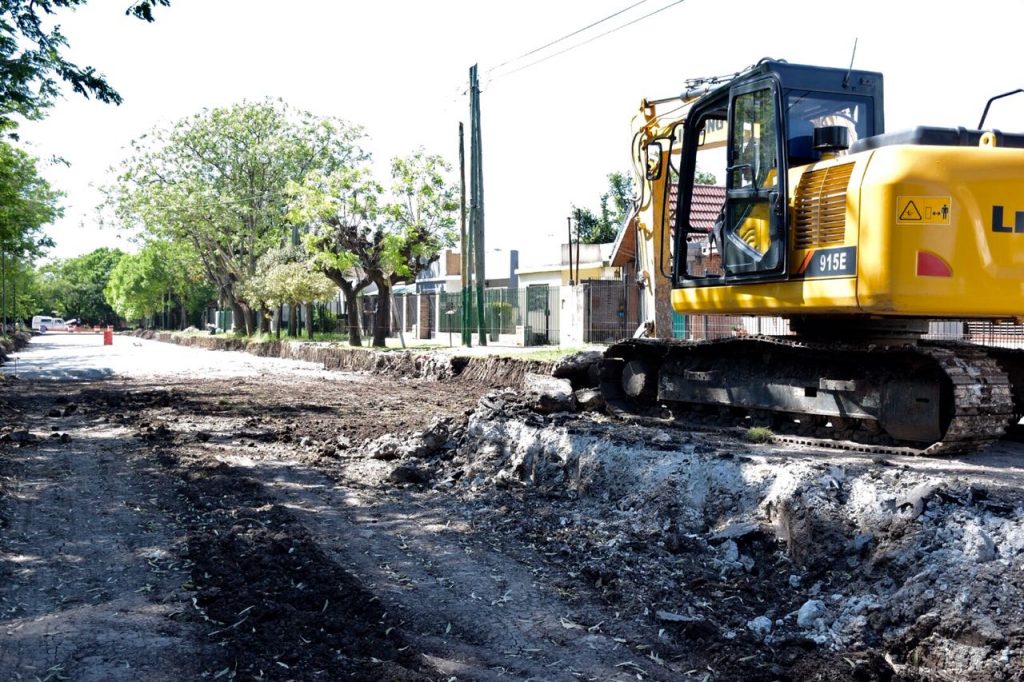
[31, 58]
[616, 204]
[217, 181]
[74, 287]
[353, 233]
[21, 289]
[341, 211]
[590, 229]
[27, 202]
[702, 177]
[286, 276]
[420, 223]
[161, 274]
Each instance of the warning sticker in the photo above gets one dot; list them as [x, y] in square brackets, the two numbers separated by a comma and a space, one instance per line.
[924, 210]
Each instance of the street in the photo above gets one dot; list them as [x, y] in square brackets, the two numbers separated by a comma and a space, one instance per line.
[171, 513]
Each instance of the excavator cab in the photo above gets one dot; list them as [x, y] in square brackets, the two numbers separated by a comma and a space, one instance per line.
[777, 117]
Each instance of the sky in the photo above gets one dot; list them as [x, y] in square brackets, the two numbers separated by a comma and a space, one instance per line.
[551, 132]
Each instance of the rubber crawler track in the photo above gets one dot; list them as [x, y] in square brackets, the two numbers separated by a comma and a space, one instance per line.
[982, 395]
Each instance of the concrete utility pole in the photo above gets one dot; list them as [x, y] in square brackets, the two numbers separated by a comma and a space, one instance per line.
[465, 247]
[568, 226]
[3, 277]
[476, 190]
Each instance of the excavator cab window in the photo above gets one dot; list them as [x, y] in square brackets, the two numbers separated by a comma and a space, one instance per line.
[807, 110]
[752, 236]
[735, 232]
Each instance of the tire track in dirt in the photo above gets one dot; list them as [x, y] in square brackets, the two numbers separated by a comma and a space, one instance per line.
[472, 610]
[91, 586]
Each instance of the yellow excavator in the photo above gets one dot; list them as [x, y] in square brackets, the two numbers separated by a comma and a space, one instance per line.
[858, 237]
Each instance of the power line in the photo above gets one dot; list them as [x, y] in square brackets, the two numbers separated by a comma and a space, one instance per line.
[586, 42]
[565, 37]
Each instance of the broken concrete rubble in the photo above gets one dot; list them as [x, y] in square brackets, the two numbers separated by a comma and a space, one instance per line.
[810, 612]
[854, 552]
[549, 394]
[580, 368]
[589, 400]
[687, 544]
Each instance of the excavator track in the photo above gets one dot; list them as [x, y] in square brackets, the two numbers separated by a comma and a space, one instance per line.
[924, 398]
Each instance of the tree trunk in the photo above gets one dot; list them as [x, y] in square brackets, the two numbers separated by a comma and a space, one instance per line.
[237, 317]
[293, 320]
[382, 317]
[353, 315]
[275, 323]
[183, 311]
[349, 292]
[250, 320]
[308, 307]
[264, 324]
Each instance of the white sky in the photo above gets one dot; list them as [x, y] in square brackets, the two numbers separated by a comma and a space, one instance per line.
[551, 133]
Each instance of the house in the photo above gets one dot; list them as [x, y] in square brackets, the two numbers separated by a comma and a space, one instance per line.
[702, 257]
[445, 274]
[590, 300]
[588, 261]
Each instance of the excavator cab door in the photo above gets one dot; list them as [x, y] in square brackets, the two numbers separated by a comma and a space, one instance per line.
[752, 228]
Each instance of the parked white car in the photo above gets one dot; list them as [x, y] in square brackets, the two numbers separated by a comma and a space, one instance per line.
[44, 323]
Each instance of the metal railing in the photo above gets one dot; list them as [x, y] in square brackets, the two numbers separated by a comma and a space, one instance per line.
[528, 316]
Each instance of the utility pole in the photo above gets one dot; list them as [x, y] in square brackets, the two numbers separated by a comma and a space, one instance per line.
[3, 276]
[465, 247]
[477, 194]
[577, 251]
[14, 295]
[568, 227]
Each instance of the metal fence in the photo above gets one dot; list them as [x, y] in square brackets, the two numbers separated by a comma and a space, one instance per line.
[528, 316]
[609, 311]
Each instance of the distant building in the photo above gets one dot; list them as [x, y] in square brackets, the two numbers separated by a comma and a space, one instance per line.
[445, 274]
[589, 262]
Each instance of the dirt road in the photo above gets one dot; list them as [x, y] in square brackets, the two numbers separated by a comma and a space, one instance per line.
[170, 513]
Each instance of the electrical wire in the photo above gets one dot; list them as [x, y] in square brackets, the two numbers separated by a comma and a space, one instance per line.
[565, 37]
[586, 42]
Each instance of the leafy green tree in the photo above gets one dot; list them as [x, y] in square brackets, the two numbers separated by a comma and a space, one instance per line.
[591, 229]
[74, 287]
[27, 203]
[294, 284]
[360, 238]
[420, 223]
[217, 181]
[161, 274]
[21, 285]
[701, 177]
[286, 276]
[341, 211]
[616, 204]
[31, 58]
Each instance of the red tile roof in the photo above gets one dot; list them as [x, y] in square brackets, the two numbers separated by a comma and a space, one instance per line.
[707, 202]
